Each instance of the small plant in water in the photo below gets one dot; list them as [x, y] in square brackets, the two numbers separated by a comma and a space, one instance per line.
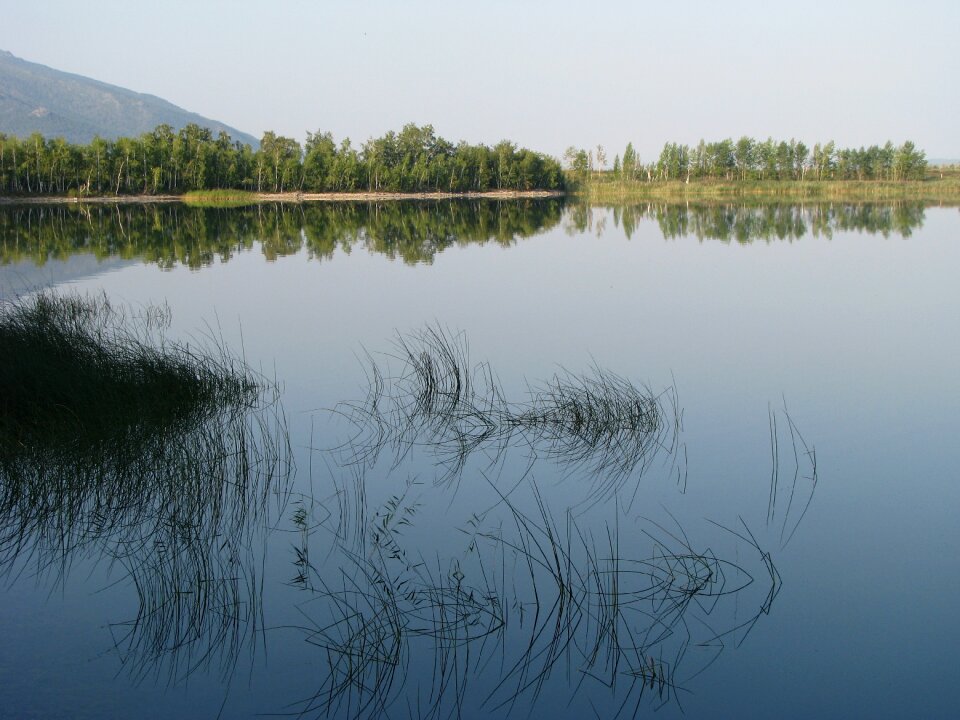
[598, 421]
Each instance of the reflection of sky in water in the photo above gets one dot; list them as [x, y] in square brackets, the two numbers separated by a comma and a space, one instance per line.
[25, 276]
[856, 334]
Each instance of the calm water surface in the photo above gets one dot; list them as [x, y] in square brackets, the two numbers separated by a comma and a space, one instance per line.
[781, 542]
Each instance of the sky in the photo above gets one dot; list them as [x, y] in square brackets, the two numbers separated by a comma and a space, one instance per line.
[546, 75]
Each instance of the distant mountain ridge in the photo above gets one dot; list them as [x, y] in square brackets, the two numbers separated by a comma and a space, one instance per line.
[37, 98]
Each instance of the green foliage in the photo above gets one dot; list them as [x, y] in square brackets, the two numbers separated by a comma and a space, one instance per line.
[630, 163]
[763, 160]
[165, 162]
[219, 198]
[578, 162]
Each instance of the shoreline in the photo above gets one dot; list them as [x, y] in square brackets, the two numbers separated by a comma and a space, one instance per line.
[602, 192]
[287, 197]
[857, 191]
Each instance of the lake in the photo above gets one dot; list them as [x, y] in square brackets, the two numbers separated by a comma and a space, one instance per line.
[521, 459]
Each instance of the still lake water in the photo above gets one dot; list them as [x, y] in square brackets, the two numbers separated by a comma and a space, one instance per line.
[503, 562]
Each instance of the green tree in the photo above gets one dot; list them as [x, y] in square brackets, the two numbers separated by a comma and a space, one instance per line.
[745, 156]
[279, 158]
[629, 165]
[320, 157]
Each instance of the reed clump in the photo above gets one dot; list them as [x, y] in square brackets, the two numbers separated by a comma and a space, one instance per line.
[120, 447]
[530, 604]
[434, 396]
[74, 368]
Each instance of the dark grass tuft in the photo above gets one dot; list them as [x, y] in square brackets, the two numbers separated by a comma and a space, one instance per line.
[75, 368]
[145, 454]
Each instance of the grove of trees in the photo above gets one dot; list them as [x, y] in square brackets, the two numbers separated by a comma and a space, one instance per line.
[165, 161]
[749, 159]
[415, 159]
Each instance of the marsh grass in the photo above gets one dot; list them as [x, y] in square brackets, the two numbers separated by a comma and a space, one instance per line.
[533, 603]
[220, 198]
[793, 476]
[75, 369]
[520, 606]
[602, 423]
[932, 189]
[120, 448]
[429, 393]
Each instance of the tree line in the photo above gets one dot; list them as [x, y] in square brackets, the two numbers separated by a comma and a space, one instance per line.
[166, 161]
[750, 159]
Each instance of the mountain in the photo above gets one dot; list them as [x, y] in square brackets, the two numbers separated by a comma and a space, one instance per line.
[36, 98]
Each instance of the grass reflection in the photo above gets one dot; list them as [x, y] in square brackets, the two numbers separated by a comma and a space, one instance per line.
[529, 606]
[119, 447]
[520, 603]
[429, 393]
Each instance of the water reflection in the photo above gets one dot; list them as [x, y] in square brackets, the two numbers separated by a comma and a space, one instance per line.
[522, 598]
[439, 577]
[747, 223]
[171, 235]
[120, 449]
[428, 393]
[413, 232]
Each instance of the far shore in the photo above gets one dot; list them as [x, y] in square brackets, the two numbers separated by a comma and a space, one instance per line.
[604, 191]
[289, 197]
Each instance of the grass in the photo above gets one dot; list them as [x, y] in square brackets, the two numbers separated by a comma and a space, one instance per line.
[788, 505]
[528, 604]
[601, 421]
[534, 600]
[935, 188]
[72, 369]
[142, 453]
[220, 198]
[437, 398]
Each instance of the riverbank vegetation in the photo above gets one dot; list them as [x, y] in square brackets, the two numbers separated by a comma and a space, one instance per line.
[165, 162]
[748, 159]
[610, 189]
[762, 169]
[205, 170]
[220, 198]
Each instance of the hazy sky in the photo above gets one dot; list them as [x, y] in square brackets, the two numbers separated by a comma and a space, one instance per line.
[544, 74]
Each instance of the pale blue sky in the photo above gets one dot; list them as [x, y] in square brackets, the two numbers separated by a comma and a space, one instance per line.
[544, 74]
